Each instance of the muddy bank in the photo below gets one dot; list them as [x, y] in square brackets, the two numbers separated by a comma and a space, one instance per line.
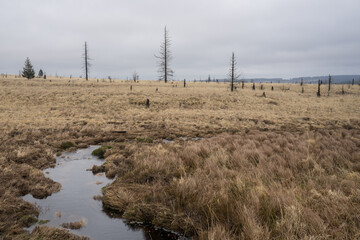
[25, 152]
[78, 207]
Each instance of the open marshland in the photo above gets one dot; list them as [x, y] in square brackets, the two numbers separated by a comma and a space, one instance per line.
[239, 165]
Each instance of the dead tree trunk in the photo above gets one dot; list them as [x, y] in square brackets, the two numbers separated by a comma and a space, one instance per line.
[86, 61]
[166, 73]
[232, 72]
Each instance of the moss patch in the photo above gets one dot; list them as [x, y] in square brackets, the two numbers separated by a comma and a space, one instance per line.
[28, 220]
[100, 152]
[67, 145]
[42, 222]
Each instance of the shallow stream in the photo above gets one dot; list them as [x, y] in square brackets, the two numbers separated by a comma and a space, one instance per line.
[75, 201]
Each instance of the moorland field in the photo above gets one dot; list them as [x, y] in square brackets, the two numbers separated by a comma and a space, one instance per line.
[238, 164]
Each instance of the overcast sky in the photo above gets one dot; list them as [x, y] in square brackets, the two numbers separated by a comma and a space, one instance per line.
[270, 38]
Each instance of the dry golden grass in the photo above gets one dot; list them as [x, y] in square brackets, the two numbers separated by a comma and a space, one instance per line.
[200, 108]
[251, 185]
[285, 166]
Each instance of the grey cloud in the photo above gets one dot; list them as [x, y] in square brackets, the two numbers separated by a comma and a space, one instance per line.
[278, 38]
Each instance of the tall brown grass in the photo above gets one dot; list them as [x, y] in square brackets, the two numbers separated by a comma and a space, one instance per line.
[253, 186]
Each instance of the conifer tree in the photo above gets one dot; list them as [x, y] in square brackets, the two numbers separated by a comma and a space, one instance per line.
[28, 71]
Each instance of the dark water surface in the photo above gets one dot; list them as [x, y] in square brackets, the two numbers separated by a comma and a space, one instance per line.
[75, 201]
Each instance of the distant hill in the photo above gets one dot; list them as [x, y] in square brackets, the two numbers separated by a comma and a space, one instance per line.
[335, 79]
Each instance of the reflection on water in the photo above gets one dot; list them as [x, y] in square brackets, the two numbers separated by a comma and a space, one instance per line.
[75, 201]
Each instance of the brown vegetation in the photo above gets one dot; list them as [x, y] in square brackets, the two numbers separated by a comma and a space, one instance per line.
[74, 225]
[45, 232]
[284, 166]
[254, 185]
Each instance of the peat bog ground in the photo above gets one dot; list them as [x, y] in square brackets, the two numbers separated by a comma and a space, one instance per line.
[284, 166]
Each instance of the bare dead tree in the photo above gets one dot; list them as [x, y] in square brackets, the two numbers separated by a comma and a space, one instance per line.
[135, 76]
[86, 63]
[232, 72]
[165, 56]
